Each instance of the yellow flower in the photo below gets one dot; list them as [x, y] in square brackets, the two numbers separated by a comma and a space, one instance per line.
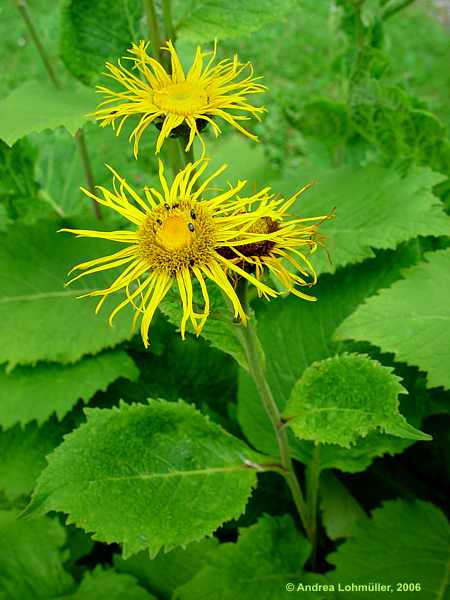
[286, 237]
[174, 239]
[179, 102]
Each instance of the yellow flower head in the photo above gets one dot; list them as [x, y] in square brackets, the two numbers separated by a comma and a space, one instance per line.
[174, 239]
[179, 102]
[286, 239]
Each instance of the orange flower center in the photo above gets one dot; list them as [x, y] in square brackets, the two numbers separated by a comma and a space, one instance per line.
[174, 233]
[177, 236]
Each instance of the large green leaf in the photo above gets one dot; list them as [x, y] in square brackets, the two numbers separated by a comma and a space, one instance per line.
[211, 19]
[107, 585]
[166, 572]
[95, 31]
[266, 557]
[129, 473]
[411, 319]
[402, 543]
[31, 560]
[23, 452]
[376, 207]
[35, 393]
[48, 108]
[340, 399]
[41, 319]
[303, 334]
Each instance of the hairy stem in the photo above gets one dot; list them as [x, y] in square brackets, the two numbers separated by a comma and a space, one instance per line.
[24, 10]
[255, 358]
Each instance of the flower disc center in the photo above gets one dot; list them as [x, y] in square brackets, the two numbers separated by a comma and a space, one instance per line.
[174, 233]
[184, 98]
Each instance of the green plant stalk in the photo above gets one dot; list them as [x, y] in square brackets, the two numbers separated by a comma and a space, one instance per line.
[167, 19]
[174, 147]
[312, 490]
[24, 10]
[251, 345]
[155, 36]
[253, 351]
[176, 155]
[391, 10]
[87, 168]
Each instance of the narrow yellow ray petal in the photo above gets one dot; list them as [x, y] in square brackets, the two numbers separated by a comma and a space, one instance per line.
[161, 286]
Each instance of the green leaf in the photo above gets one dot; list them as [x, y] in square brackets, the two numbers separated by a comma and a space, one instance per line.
[401, 543]
[93, 32]
[376, 207]
[266, 556]
[340, 399]
[35, 393]
[107, 585]
[31, 560]
[304, 334]
[49, 109]
[129, 473]
[411, 319]
[219, 330]
[340, 511]
[41, 319]
[166, 572]
[23, 453]
[223, 19]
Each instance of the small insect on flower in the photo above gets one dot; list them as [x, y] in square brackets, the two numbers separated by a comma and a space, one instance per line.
[175, 237]
[287, 238]
[177, 102]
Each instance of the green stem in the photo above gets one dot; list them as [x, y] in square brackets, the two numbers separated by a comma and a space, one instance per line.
[176, 155]
[313, 477]
[87, 168]
[255, 358]
[24, 10]
[167, 18]
[153, 28]
[175, 147]
[395, 8]
[26, 16]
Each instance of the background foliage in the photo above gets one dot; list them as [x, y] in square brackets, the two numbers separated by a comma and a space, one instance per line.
[358, 100]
